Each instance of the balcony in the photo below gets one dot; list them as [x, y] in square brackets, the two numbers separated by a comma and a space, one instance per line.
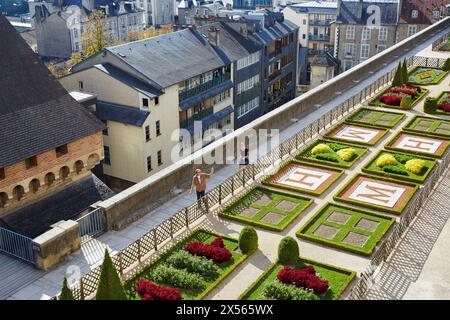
[320, 22]
[185, 94]
[319, 37]
[274, 74]
[196, 117]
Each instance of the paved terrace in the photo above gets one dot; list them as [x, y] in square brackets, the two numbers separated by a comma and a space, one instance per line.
[20, 281]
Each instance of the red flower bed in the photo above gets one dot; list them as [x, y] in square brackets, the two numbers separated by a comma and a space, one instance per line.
[391, 100]
[409, 86]
[444, 107]
[305, 278]
[215, 251]
[150, 291]
[402, 91]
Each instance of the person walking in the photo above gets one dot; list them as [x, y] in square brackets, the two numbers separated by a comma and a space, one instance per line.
[199, 182]
[243, 156]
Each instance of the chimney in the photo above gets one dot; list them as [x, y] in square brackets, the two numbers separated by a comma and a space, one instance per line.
[122, 7]
[107, 10]
[214, 37]
[338, 12]
[359, 11]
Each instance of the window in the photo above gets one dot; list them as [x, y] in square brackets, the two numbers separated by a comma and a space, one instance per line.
[350, 32]
[365, 51]
[147, 133]
[75, 33]
[105, 131]
[304, 21]
[159, 158]
[304, 36]
[145, 102]
[156, 101]
[221, 97]
[349, 49]
[247, 61]
[436, 14]
[381, 48]
[61, 150]
[2, 173]
[383, 34]
[365, 34]
[414, 13]
[107, 159]
[158, 128]
[247, 84]
[247, 107]
[412, 29]
[31, 162]
[348, 64]
[80, 85]
[149, 163]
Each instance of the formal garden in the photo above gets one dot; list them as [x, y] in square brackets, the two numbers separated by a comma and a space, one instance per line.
[439, 105]
[400, 166]
[266, 208]
[371, 117]
[304, 177]
[359, 134]
[422, 145]
[384, 194]
[426, 76]
[429, 126]
[292, 277]
[346, 228]
[332, 153]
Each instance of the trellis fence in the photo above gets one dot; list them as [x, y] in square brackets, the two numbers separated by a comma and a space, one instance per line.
[130, 260]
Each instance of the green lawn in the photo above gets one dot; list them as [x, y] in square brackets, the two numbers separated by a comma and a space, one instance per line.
[338, 279]
[372, 168]
[353, 221]
[331, 158]
[375, 118]
[256, 205]
[426, 75]
[429, 125]
[209, 284]
[377, 103]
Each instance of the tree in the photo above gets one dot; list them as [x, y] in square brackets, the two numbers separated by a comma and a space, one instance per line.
[94, 37]
[446, 66]
[248, 240]
[110, 287]
[405, 72]
[398, 78]
[288, 252]
[66, 293]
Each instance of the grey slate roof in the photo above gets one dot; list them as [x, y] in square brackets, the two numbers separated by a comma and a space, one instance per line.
[120, 113]
[270, 34]
[129, 80]
[36, 113]
[348, 13]
[67, 203]
[170, 58]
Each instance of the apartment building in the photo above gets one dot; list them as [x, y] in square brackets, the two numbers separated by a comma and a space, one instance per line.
[59, 32]
[50, 144]
[359, 35]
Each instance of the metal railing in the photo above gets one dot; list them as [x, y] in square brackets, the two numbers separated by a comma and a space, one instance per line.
[183, 95]
[439, 42]
[92, 224]
[16, 245]
[132, 259]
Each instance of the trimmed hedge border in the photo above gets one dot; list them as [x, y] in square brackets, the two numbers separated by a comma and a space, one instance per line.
[266, 181]
[329, 163]
[365, 205]
[328, 137]
[374, 102]
[351, 274]
[179, 245]
[342, 246]
[410, 122]
[397, 176]
[435, 81]
[422, 154]
[264, 225]
[402, 116]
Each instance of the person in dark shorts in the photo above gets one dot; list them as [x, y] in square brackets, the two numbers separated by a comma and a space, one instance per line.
[199, 182]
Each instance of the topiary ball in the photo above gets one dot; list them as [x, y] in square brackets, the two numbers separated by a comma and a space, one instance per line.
[248, 240]
[288, 252]
[386, 160]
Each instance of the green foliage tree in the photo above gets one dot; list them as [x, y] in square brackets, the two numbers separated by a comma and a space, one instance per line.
[406, 102]
[430, 105]
[288, 252]
[405, 72]
[248, 240]
[66, 293]
[398, 79]
[446, 66]
[110, 286]
[94, 37]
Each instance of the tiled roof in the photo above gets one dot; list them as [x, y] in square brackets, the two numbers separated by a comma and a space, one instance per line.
[425, 10]
[36, 113]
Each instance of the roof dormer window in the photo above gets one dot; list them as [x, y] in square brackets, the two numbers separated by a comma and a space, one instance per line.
[414, 13]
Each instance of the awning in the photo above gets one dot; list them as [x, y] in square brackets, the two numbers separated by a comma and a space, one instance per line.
[120, 113]
[192, 101]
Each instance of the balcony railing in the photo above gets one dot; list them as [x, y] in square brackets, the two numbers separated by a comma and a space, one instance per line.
[274, 74]
[196, 117]
[320, 22]
[185, 94]
[319, 37]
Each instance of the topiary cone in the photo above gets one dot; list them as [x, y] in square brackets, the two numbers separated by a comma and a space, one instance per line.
[248, 240]
[288, 251]
[109, 286]
[66, 293]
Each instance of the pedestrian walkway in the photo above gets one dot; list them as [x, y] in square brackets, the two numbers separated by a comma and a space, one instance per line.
[91, 254]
